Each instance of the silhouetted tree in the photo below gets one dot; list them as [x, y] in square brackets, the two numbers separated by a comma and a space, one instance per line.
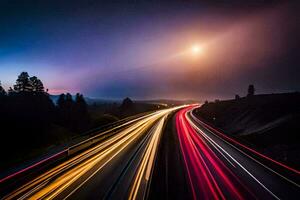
[82, 118]
[2, 91]
[69, 99]
[73, 114]
[206, 102]
[61, 108]
[237, 97]
[65, 108]
[2, 102]
[37, 85]
[80, 102]
[69, 104]
[23, 83]
[27, 111]
[127, 103]
[127, 107]
[30, 115]
[251, 90]
[61, 101]
[10, 91]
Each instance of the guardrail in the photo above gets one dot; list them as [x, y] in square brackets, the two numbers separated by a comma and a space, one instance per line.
[74, 149]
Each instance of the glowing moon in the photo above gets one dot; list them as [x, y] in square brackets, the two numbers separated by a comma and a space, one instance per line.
[196, 49]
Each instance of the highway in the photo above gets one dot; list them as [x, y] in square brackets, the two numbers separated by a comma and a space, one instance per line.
[120, 167]
[163, 155]
[219, 167]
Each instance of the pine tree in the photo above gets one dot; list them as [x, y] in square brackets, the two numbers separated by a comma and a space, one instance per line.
[251, 90]
[10, 91]
[61, 101]
[80, 104]
[37, 85]
[81, 116]
[69, 101]
[23, 83]
[127, 103]
[2, 91]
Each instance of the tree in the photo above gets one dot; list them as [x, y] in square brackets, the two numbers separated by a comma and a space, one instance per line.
[2, 102]
[68, 111]
[10, 91]
[81, 114]
[251, 90]
[27, 116]
[80, 101]
[127, 103]
[2, 91]
[69, 101]
[73, 114]
[69, 97]
[61, 101]
[80, 104]
[37, 85]
[237, 97]
[23, 83]
[61, 109]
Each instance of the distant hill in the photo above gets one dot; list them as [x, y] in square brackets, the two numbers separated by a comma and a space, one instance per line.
[168, 102]
[90, 100]
[268, 121]
[164, 102]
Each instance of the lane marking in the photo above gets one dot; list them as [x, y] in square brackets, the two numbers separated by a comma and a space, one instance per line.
[275, 196]
[277, 173]
[214, 144]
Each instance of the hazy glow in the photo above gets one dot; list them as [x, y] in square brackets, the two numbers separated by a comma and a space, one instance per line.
[197, 49]
[104, 51]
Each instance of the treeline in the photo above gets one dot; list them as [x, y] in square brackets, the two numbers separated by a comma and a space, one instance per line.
[28, 115]
[73, 114]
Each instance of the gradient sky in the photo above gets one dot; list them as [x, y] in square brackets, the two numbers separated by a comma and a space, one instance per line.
[142, 49]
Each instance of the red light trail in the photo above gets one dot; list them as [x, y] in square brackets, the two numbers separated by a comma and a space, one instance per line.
[248, 148]
[209, 177]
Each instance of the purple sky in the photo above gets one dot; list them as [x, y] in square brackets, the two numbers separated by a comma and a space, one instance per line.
[142, 50]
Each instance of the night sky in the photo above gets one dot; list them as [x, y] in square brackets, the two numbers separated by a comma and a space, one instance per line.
[142, 49]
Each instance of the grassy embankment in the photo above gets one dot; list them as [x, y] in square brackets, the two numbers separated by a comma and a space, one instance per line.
[269, 123]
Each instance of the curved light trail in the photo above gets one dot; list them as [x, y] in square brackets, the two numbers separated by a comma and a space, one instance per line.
[217, 169]
[198, 157]
[64, 180]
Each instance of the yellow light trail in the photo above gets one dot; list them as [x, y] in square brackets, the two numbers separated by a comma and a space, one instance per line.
[56, 180]
[146, 166]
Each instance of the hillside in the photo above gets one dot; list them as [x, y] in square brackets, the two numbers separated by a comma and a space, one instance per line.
[268, 122]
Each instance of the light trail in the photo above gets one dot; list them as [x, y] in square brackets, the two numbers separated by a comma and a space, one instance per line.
[249, 149]
[72, 174]
[146, 166]
[208, 176]
[260, 163]
[219, 167]
[74, 161]
[238, 163]
[216, 167]
[53, 157]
